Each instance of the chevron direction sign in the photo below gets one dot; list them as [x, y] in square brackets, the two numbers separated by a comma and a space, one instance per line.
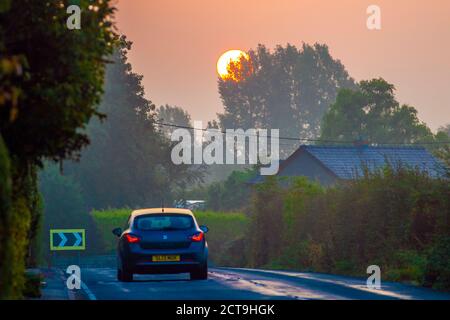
[67, 239]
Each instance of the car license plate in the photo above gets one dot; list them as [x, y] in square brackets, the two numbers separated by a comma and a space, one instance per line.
[171, 258]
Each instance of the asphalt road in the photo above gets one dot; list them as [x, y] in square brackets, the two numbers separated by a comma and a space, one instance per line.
[243, 284]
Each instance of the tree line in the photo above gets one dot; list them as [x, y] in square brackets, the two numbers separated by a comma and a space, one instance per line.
[51, 82]
[127, 163]
[308, 94]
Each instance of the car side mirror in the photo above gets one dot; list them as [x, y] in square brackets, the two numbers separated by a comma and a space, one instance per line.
[117, 232]
[205, 229]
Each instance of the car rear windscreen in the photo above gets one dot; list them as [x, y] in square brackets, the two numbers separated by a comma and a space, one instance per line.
[157, 222]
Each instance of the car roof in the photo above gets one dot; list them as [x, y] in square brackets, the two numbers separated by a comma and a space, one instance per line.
[161, 211]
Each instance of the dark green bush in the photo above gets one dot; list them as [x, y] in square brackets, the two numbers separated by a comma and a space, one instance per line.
[5, 216]
[395, 218]
[437, 272]
[32, 285]
[408, 266]
[17, 245]
[16, 211]
[229, 195]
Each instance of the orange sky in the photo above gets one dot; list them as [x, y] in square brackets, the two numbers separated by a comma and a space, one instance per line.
[177, 44]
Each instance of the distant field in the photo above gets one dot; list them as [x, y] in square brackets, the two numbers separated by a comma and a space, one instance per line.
[225, 229]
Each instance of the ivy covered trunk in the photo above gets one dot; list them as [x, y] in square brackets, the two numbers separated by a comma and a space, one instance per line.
[5, 217]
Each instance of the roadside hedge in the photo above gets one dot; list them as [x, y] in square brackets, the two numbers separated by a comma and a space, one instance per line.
[398, 219]
[5, 216]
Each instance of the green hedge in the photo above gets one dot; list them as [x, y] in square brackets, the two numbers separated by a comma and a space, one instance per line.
[225, 235]
[105, 221]
[397, 219]
[5, 216]
[16, 205]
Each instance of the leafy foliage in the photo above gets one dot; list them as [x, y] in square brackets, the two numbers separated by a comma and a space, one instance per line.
[128, 162]
[397, 219]
[33, 285]
[65, 208]
[172, 115]
[437, 272]
[64, 203]
[265, 235]
[51, 80]
[371, 112]
[226, 236]
[105, 221]
[15, 249]
[288, 88]
[5, 215]
[63, 75]
[442, 150]
[228, 195]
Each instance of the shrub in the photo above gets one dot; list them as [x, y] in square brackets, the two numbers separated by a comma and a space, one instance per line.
[397, 218]
[229, 195]
[5, 216]
[266, 228]
[408, 266]
[225, 238]
[32, 285]
[437, 271]
[105, 221]
[17, 247]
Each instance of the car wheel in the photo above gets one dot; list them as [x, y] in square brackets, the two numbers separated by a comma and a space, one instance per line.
[201, 273]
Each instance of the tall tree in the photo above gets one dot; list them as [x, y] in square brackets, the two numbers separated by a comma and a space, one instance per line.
[288, 89]
[442, 150]
[172, 115]
[372, 112]
[63, 76]
[51, 81]
[128, 162]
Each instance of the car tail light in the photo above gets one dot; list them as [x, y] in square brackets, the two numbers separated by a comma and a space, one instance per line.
[197, 237]
[131, 238]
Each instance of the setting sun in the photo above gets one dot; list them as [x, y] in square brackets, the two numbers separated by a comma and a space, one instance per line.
[226, 58]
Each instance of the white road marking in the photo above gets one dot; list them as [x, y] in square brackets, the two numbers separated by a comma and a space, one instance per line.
[266, 287]
[349, 283]
[89, 293]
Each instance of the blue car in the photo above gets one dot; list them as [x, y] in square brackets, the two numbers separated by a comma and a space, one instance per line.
[162, 240]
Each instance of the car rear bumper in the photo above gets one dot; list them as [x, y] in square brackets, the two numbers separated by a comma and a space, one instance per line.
[165, 267]
[141, 262]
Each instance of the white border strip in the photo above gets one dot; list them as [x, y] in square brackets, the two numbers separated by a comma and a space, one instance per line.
[89, 293]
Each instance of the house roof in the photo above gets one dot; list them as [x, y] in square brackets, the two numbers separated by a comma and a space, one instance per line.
[348, 162]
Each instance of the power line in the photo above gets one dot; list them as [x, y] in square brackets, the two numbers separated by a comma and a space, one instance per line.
[298, 139]
[253, 135]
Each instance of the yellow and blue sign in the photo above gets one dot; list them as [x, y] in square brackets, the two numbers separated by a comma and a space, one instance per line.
[67, 239]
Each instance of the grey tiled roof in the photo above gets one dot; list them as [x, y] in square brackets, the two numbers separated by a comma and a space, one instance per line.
[348, 162]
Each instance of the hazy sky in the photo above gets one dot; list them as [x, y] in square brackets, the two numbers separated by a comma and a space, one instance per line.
[176, 45]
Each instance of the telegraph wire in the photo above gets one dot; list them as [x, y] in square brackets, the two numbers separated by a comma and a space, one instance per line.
[296, 140]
